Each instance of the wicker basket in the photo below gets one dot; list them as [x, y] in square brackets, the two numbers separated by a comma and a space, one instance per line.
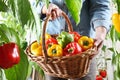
[75, 66]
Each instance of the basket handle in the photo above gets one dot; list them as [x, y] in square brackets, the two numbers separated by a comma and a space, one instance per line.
[70, 29]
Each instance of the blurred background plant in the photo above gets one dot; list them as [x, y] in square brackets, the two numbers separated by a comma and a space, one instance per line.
[19, 22]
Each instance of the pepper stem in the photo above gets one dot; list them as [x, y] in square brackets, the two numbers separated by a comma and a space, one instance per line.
[54, 51]
[70, 50]
[86, 43]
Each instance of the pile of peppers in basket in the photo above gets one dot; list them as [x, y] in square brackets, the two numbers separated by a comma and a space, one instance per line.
[9, 55]
[65, 44]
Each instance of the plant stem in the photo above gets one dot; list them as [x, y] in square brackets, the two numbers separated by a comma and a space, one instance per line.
[118, 6]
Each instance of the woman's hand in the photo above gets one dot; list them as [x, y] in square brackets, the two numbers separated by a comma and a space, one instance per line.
[99, 39]
[52, 9]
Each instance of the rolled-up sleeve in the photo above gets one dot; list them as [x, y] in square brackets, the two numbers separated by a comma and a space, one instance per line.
[100, 13]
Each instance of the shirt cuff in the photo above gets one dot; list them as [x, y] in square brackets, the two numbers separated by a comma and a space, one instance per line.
[101, 22]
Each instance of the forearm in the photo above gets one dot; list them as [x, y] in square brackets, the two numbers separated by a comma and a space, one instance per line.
[100, 32]
[100, 13]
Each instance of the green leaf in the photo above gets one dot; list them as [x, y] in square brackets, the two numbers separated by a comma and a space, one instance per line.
[112, 31]
[118, 6]
[37, 67]
[38, 27]
[3, 33]
[8, 34]
[74, 10]
[21, 10]
[115, 76]
[14, 36]
[11, 4]
[111, 49]
[24, 44]
[19, 71]
[117, 66]
[104, 48]
[47, 2]
[113, 59]
[118, 70]
[2, 75]
[3, 6]
[108, 59]
[118, 35]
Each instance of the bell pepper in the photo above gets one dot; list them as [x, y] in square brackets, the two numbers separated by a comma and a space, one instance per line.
[85, 42]
[55, 51]
[47, 36]
[76, 36]
[72, 48]
[9, 55]
[116, 21]
[116, 17]
[36, 49]
[50, 42]
[64, 38]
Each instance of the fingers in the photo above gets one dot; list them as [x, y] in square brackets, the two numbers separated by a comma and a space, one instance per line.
[54, 11]
[98, 43]
[94, 54]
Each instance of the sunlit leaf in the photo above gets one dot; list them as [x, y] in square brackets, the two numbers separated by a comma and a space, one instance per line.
[74, 10]
[21, 10]
[37, 67]
[9, 34]
[38, 27]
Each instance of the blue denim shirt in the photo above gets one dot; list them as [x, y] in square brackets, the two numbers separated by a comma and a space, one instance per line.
[94, 13]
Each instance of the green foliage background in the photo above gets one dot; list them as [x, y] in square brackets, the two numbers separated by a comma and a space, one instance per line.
[19, 16]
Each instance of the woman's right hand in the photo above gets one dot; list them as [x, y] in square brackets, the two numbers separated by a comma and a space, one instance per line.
[52, 9]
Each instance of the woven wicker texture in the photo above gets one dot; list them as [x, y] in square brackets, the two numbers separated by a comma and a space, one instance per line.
[75, 66]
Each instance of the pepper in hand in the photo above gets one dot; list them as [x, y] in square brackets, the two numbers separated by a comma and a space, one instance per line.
[85, 42]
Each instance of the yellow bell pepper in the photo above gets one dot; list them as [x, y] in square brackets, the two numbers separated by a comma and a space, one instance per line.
[85, 42]
[47, 36]
[116, 21]
[36, 49]
[55, 51]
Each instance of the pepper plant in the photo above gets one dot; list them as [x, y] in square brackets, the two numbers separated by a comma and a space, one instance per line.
[18, 18]
[115, 37]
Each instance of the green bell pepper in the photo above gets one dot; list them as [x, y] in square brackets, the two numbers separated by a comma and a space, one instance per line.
[64, 38]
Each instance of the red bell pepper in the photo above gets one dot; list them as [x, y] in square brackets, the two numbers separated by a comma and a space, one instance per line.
[50, 42]
[72, 48]
[76, 36]
[103, 73]
[9, 55]
[99, 77]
